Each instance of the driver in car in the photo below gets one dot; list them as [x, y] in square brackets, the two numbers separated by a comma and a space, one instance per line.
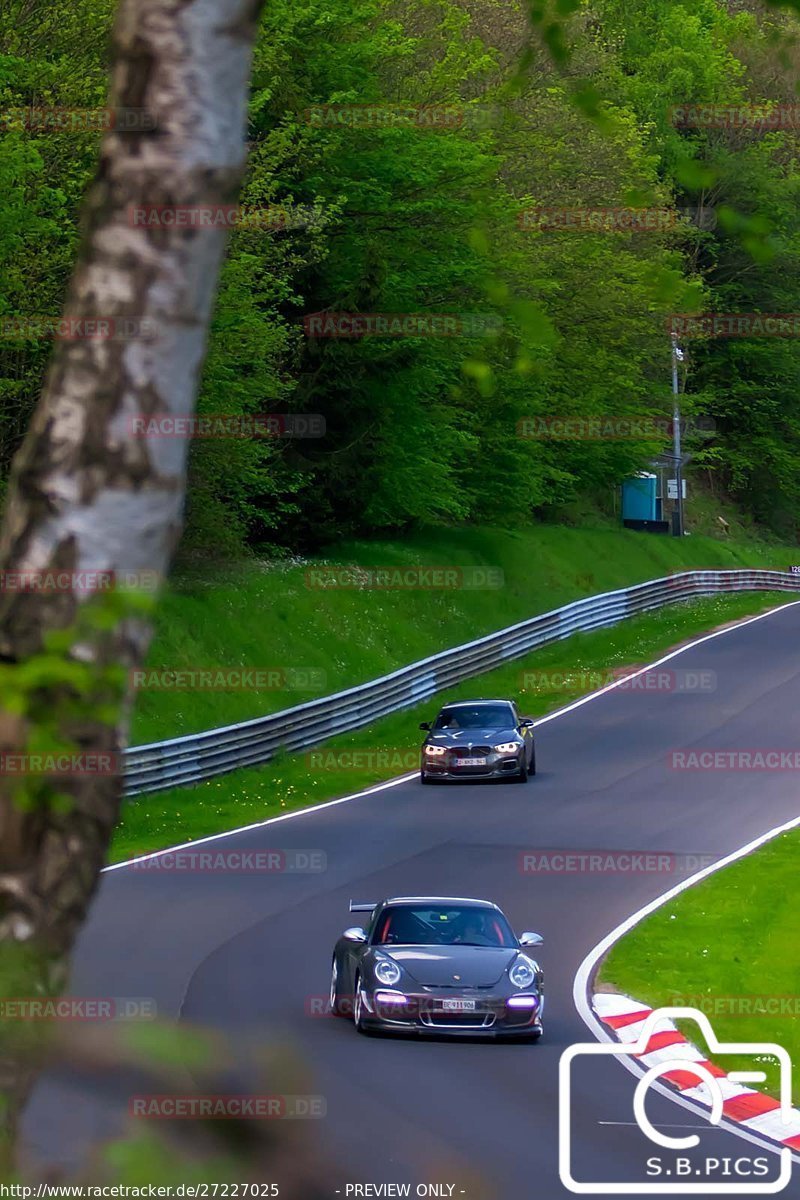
[472, 931]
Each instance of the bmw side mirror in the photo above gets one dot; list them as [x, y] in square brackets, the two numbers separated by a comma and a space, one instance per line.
[425, 725]
[531, 939]
[525, 722]
[355, 934]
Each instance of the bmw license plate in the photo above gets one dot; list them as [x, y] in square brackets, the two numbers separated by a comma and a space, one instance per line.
[458, 1006]
[470, 762]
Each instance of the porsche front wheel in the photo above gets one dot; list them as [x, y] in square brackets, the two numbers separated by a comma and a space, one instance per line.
[335, 1000]
[358, 1008]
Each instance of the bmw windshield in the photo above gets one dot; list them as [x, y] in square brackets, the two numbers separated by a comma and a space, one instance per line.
[476, 716]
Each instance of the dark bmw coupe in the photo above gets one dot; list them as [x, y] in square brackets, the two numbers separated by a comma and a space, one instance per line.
[434, 965]
[478, 739]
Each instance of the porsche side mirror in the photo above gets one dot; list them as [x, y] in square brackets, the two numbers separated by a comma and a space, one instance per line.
[425, 725]
[531, 939]
[355, 934]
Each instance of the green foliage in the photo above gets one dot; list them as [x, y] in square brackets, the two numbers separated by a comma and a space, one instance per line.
[698, 53]
[51, 56]
[554, 104]
[61, 700]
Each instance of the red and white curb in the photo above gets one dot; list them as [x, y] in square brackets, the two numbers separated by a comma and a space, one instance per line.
[745, 1106]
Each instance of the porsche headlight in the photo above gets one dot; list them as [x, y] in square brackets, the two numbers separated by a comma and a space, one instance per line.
[435, 749]
[387, 971]
[523, 972]
[507, 748]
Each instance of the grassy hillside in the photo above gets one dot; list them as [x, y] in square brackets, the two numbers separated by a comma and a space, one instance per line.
[265, 616]
[541, 681]
[316, 641]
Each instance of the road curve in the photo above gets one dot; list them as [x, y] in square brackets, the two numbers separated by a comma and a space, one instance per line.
[205, 946]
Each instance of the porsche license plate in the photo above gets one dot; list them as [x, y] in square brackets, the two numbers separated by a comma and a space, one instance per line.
[458, 1006]
[470, 762]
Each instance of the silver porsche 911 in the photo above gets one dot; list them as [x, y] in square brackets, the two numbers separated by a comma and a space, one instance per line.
[436, 965]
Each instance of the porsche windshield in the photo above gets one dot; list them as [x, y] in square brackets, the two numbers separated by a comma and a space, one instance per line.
[469, 925]
[475, 716]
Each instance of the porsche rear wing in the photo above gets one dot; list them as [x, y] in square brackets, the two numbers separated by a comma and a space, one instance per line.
[355, 906]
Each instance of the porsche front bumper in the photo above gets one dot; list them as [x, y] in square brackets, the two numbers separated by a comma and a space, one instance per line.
[432, 1012]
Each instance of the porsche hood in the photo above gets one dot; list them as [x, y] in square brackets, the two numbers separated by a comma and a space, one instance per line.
[453, 966]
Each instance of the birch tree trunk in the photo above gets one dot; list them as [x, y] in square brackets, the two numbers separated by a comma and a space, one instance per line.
[88, 494]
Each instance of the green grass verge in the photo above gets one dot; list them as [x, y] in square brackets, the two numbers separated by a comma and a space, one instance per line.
[728, 946]
[390, 747]
[264, 616]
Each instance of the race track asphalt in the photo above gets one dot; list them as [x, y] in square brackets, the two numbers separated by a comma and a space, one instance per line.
[250, 953]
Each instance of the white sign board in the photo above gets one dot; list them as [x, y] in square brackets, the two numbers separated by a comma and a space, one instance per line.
[672, 489]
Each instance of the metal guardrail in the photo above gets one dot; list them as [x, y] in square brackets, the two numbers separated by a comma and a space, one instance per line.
[199, 756]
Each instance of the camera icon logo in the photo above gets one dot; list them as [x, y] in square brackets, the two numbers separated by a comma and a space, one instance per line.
[713, 1098]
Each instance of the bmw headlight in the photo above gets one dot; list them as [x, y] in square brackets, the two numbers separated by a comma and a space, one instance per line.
[435, 749]
[523, 972]
[387, 971]
[507, 748]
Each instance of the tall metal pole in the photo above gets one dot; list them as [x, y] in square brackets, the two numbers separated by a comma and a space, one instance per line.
[677, 524]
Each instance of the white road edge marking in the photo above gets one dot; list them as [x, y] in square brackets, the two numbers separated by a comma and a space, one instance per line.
[580, 991]
[580, 987]
[300, 812]
[380, 787]
[661, 1125]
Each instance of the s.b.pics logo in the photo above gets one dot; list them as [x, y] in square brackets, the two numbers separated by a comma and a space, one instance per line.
[658, 1154]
